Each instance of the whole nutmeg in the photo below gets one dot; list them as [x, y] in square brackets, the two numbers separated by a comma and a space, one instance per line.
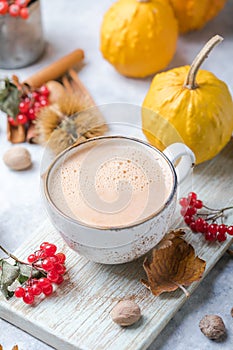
[212, 326]
[126, 313]
[17, 158]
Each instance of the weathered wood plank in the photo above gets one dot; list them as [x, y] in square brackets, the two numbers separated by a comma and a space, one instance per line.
[76, 316]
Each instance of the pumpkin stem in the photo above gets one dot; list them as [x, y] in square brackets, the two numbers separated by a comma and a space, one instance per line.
[190, 82]
[143, 0]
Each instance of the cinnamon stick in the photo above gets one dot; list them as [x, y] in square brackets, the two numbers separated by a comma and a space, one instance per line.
[67, 85]
[80, 87]
[31, 134]
[16, 134]
[56, 69]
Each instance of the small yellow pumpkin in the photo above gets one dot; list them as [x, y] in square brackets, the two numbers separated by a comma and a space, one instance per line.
[195, 103]
[138, 37]
[194, 14]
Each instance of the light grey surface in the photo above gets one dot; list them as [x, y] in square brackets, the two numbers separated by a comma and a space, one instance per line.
[73, 24]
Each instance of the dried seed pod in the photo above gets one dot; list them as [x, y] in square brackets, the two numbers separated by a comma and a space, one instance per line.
[56, 89]
[212, 327]
[17, 158]
[126, 313]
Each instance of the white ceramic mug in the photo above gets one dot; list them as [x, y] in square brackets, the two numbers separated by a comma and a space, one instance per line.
[115, 245]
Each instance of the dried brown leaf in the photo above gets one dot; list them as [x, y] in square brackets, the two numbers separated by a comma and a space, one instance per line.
[167, 240]
[173, 265]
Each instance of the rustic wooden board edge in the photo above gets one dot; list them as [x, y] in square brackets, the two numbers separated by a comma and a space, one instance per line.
[27, 325]
[191, 289]
[38, 332]
[182, 299]
[59, 343]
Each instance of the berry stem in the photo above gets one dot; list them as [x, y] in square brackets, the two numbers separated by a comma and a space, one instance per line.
[210, 209]
[20, 261]
[227, 208]
[214, 217]
[210, 222]
[12, 256]
[39, 268]
[217, 210]
[217, 213]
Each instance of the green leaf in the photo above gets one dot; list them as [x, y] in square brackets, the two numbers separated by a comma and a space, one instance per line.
[8, 275]
[3, 90]
[26, 272]
[18, 272]
[22, 279]
[9, 98]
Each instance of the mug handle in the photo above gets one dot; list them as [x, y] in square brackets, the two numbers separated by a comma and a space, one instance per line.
[179, 151]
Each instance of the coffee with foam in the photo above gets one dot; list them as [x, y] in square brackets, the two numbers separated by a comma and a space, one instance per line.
[111, 182]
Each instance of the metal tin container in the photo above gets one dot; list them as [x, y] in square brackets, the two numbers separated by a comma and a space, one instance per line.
[21, 41]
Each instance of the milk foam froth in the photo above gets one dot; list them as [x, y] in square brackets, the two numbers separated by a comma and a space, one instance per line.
[111, 183]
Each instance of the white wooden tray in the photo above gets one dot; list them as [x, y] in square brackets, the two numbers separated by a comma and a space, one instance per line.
[77, 316]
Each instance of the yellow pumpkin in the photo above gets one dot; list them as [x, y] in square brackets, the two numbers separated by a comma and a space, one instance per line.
[194, 14]
[195, 103]
[138, 37]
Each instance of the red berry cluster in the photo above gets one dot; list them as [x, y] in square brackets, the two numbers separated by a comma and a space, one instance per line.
[15, 8]
[204, 222]
[51, 264]
[30, 104]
